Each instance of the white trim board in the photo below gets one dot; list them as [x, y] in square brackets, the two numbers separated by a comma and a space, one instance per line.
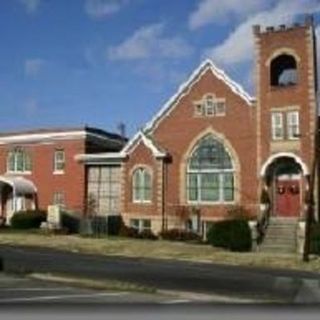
[45, 137]
[101, 158]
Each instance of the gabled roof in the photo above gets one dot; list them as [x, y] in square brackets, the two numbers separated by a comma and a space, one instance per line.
[174, 100]
[147, 141]
[186, 86]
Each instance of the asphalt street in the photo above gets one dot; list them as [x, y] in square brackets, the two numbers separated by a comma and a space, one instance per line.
[22, 290]
[260, 285]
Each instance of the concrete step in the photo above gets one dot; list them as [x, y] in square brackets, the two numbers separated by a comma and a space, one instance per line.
[283, 221]
[274, 234]
[280, 240]
[280, 236]
[282, 230]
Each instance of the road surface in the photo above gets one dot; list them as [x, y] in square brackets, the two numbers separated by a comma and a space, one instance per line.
[256, 284]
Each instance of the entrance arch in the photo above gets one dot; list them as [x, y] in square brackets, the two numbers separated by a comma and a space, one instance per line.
[284, 180]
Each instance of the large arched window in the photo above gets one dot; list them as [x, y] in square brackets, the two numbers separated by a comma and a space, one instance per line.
[141, 185]
[18, 160]
[210, 176]
[283, 71]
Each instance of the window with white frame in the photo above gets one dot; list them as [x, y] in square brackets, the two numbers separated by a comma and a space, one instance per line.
[210, 106]
[59, 199]
[104, 189]
[293, 128]
[198, 110]
[277, 126]
[140, 224]
[59, 161]
[220, 107]
[18, 160]
[210, 173]
[141, 185]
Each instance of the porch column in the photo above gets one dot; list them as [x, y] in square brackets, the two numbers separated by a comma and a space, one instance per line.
[14, 198]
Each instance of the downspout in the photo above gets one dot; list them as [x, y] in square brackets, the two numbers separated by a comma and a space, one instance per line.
[163, 172]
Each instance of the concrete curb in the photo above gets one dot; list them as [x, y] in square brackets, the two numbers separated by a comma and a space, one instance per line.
[92, 284]
[124, 286]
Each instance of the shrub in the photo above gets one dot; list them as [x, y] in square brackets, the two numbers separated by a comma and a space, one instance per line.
[114, 225]
[130, 232]
[315, 239]
[70, 222]
[147, 234]
[126, 231]
[234, 235]
[180, 235]
[99, 225]
[30, 219]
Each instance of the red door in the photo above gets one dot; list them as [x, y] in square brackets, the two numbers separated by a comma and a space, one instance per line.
[287, 198]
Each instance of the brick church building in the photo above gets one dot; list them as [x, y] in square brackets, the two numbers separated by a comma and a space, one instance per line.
[212, 145]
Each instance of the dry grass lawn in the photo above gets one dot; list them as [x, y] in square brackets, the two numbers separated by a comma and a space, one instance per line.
[156, 249]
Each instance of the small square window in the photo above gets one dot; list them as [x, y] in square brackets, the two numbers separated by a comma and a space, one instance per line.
[198, 110]
[220, 108]
[134, 223]
[146, 224]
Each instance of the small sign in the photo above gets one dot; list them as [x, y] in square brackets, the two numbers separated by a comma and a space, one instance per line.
[54, 217]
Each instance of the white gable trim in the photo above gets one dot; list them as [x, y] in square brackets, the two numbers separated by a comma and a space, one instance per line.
[185, 88]
[140, 136]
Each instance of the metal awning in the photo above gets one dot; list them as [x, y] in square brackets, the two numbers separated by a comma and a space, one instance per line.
[20, 185]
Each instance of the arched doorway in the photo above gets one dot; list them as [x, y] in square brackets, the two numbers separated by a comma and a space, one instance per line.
[284, 179]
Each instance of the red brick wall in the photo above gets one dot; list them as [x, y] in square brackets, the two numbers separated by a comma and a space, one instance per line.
[71, 182]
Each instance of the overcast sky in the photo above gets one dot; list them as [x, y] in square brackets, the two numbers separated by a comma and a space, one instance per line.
[101, 62]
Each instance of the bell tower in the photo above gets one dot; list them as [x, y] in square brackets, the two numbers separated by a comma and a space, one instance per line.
[286, 111]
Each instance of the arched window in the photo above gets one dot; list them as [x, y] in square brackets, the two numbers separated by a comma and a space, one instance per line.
[18, 160]
[141, 185]
[283, 71]
[210, 173]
